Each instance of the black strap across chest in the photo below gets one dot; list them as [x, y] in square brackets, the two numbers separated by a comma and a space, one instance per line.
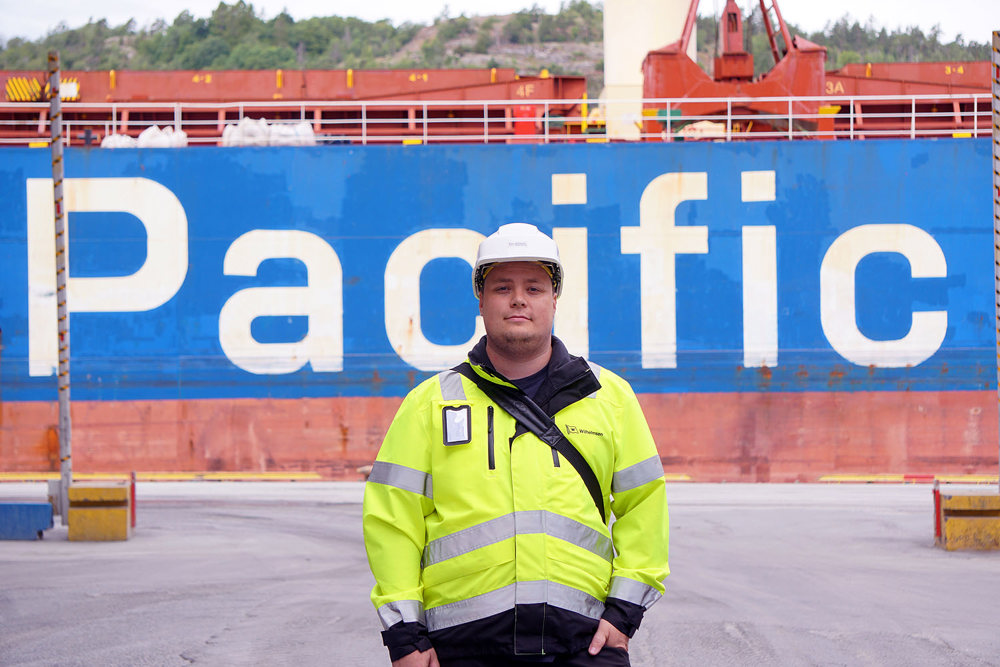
[519, 406]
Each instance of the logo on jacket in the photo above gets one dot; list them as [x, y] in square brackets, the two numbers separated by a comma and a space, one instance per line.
[585, 431]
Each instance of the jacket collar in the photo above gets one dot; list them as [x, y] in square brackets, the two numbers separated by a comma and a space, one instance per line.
[570, 378]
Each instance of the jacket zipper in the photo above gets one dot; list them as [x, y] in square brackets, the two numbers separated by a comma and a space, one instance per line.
[489, 437]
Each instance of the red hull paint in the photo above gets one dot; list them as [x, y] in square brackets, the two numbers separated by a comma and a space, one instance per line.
[784, 437]
[752, 437]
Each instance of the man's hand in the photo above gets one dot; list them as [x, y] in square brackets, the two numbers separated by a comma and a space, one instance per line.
[607, 635]
[426, 658]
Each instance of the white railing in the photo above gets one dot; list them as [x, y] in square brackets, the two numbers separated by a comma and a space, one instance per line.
[532, 121]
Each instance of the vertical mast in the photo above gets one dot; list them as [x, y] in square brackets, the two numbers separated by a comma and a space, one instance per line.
[65, 446]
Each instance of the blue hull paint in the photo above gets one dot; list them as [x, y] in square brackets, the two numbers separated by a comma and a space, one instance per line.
[363, 202]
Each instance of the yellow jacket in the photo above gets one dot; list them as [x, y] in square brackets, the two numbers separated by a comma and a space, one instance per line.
[468, 516]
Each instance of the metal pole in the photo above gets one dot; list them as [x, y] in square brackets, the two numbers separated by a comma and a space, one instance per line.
[975, 117]
[790, 137]
[729, 118]
[996, 203]
[546, 121]
[852, 119]
[65, 426]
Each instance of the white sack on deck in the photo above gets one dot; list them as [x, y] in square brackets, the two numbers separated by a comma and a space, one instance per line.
[257, 132]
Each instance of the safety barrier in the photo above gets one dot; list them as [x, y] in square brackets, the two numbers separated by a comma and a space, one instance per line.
[100, 512]
[24, 521]
[515, 121]
[964, 520]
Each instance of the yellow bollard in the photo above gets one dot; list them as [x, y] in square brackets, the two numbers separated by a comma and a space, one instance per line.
[99, 512]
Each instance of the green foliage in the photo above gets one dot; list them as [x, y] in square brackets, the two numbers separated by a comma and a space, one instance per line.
[877, 45]
[449, 29]
[433, 52]
[579, 22]
[248, 55]
[484, 40]
[847, 57]
[520, 29]
[235, 36]
[209, 53]
[93, 46]
[846, 41]
[234, 23]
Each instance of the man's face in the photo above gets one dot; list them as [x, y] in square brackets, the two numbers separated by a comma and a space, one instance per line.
[518, 306]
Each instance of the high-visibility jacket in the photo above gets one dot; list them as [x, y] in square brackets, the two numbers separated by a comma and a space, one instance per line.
[484, 540]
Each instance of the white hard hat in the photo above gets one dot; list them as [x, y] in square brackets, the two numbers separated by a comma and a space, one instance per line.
[517, 242]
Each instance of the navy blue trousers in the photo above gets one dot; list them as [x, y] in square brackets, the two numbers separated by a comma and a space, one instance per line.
[608, 657]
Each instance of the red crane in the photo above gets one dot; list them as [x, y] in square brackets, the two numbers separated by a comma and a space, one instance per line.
[799, 72]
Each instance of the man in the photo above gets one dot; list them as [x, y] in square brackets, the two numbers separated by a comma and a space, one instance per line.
[486, 546]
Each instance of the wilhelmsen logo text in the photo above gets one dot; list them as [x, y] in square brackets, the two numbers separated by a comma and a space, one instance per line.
[585, 431]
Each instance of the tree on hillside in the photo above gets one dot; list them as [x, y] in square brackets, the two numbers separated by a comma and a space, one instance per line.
[235, 36]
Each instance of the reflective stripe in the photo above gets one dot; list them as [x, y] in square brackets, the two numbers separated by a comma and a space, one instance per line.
[566, 597]
[451, 386]
[636, 475]
[632, 591]
[503, 599]
[519, 523]
[401, 477]
[574, 532]
[469, 539]
[401, 611]
[470, 609]
[596, 370]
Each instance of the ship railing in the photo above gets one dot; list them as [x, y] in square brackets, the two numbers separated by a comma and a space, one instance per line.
[526, 120]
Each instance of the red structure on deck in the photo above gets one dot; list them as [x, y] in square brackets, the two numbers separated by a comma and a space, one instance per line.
[670, 73]
[127, 101]
[826, 103]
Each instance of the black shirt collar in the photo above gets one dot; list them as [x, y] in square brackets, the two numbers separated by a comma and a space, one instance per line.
[569, 377]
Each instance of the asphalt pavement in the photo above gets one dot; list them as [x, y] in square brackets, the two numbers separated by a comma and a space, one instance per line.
[272, 573]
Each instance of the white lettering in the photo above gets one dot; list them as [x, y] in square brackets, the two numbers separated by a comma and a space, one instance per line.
[760, 277]
[657, 240]
[402, 296]
[321, 300]
[757, 185]
[837, 295]
[151, 286]
[760, 297]
[572, 323]
[569, 189]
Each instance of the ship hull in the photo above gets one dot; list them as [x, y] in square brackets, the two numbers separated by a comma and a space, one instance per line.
[784, 311]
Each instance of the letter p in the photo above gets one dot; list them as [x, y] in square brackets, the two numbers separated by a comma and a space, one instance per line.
[155, 283]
